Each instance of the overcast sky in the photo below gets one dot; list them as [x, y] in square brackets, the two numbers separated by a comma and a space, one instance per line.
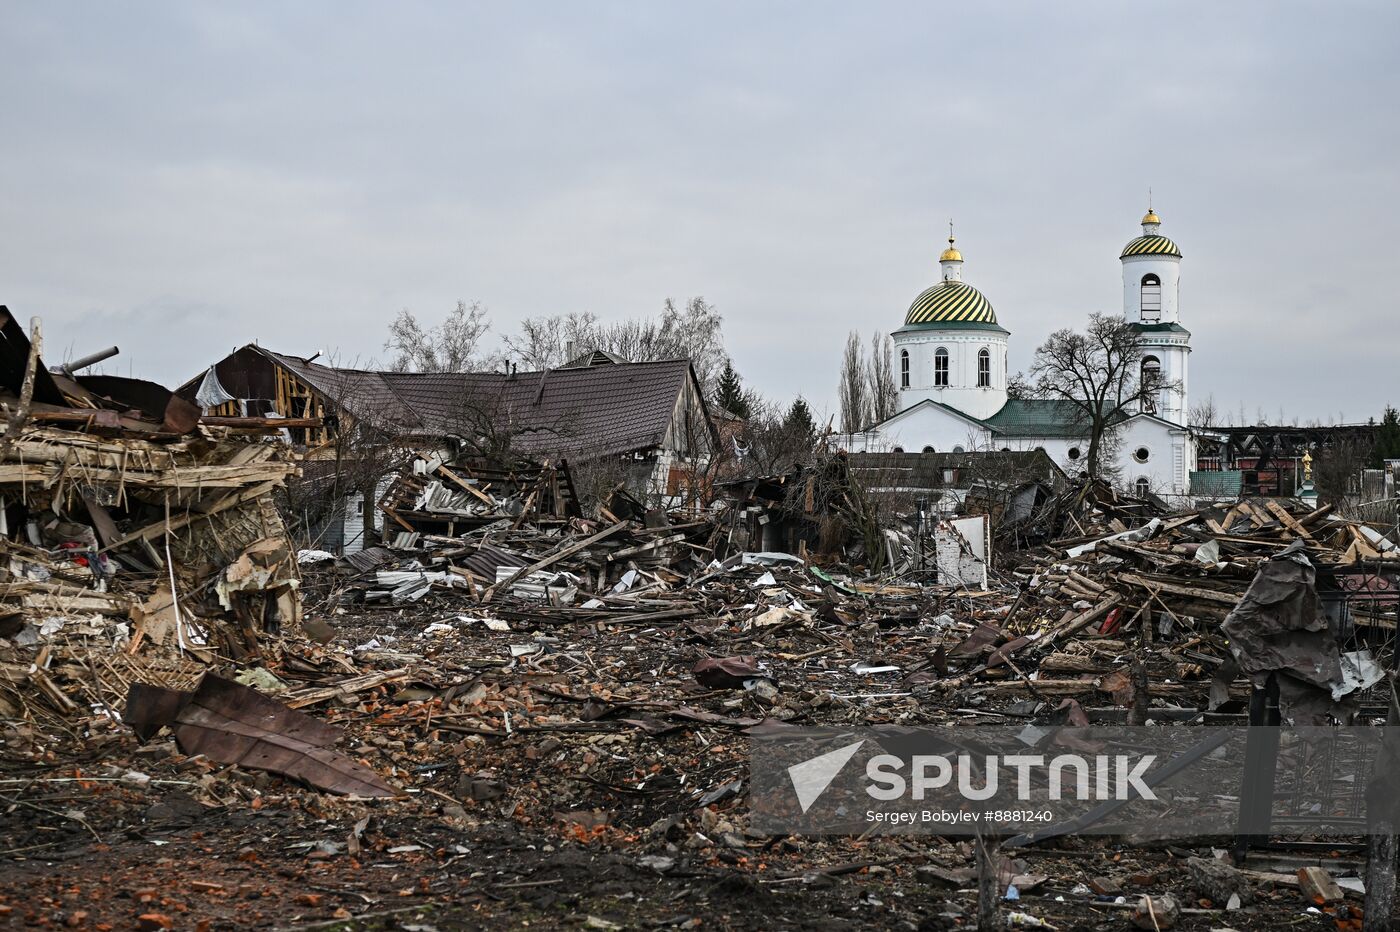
[185, 178]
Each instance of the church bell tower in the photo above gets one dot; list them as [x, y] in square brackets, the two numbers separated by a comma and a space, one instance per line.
[1151, 302]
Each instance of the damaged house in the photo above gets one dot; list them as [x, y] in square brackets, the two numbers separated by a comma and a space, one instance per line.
[135, 535]
[644, 425]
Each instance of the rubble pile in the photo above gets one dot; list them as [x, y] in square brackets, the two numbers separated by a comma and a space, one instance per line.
[571, 751]
[1164, 587]
[431, 498]
[135, 542]
[511, 711]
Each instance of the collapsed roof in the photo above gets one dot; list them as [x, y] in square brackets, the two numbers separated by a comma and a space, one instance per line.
[588, 410]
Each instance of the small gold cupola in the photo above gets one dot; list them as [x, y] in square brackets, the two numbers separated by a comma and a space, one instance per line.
[951, 259]
[1150, 220]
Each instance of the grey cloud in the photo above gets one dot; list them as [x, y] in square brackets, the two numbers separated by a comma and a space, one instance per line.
[182, 178]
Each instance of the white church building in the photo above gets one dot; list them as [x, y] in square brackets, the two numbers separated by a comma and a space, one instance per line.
[950, 359]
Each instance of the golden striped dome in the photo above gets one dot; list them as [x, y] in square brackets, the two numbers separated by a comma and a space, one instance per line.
[951, 302]
[1151, 245]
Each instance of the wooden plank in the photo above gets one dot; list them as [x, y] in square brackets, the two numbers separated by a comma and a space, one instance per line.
[552, 559]
[1252, 513]
[275, 423]
[1194, 592]
[301, 698]
[1315, 516]
[643, 548]
[1083, 620]
[1288, 520]
[467, 487]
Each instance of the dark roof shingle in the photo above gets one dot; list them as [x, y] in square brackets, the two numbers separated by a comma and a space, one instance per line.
[593, 411]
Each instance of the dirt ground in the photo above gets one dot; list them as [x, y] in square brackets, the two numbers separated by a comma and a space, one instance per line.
[582, 780]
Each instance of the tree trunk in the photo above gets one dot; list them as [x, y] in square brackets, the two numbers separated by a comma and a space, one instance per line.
[1091, 463]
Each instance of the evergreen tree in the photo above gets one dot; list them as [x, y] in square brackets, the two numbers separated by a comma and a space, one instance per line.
[730, 394]
[799, 418]
[1387, 438]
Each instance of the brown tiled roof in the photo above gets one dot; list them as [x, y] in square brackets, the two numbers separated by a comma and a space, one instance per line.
[591, 411]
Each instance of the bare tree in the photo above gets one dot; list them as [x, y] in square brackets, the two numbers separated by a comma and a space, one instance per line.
[354, 457]
[855, 404]
[1204, 413]
[694, 331]
[1098, 374]
[880, 387]
[1337, 470]
[774, 440]
[1019, 386]
[547, 342]
[451, 346]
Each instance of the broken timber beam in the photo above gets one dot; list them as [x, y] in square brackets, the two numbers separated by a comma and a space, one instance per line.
[1195, 592]
[1288, 520]
[643, 548]
[552, 559]
[275, 423]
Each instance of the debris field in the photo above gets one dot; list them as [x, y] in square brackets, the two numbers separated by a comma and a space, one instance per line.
[518, 713]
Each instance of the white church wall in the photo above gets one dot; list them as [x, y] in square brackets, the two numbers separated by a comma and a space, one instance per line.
[1172, 351]
[1158, 452]
[927, 426]
[1168, 272]
[962, 391]
[1163, 467]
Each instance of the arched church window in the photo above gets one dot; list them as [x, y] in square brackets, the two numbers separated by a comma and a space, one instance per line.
[904, 368]
[1142, 487]
[984, 368]
[1151, 378]
[1151, 299]
[940, 367]
[929, 450]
